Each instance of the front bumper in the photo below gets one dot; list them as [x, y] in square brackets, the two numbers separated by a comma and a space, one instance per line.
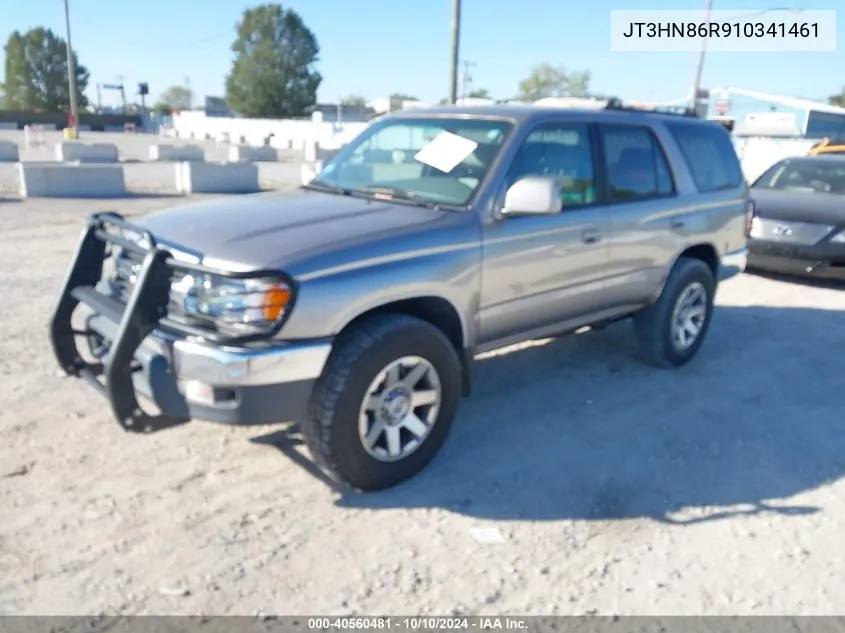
[185, 376]
[824, 260]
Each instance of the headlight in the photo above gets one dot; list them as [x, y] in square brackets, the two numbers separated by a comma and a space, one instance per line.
[839, 238]
[246, 302]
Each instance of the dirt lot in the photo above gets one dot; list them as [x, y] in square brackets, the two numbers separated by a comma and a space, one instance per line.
[602, 486]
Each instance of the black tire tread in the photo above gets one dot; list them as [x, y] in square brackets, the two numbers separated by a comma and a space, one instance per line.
[350, 349]
[650, 323]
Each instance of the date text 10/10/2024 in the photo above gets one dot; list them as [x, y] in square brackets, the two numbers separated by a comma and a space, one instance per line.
[407, 624]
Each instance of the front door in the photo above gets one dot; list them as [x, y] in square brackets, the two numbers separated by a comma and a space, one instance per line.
[543, 270]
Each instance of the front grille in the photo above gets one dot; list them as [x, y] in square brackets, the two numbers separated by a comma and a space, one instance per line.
[789, 232]
[121, 280]
[121, 276]
[126, 266]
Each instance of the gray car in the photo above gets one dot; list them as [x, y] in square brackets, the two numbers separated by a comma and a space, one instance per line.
[799, 219]
[356, 305]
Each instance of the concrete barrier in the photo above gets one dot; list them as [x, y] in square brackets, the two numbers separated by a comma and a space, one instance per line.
[70, 151]
[311, 150]
[310, 171]
[45, 180]
[248, 154]
[177, 153]
[279, 142]
[216, 178]
[326, 155]
[9, 152]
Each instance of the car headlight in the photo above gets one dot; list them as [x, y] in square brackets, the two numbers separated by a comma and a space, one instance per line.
[839, 238]
[259, 303]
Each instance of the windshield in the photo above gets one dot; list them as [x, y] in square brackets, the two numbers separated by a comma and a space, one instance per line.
[811, 176]
[438, 160]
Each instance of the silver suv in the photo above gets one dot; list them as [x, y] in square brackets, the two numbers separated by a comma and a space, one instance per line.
[356, 305]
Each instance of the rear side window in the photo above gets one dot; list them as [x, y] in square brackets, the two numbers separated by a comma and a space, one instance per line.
[636, 166]
[710, 155]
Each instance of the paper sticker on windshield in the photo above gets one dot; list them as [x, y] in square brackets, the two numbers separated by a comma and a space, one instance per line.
[446, 151]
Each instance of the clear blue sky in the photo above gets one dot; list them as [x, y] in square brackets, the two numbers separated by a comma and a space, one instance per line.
[375, 47]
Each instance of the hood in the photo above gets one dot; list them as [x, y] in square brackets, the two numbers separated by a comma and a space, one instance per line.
[818, 208]
[286, 230]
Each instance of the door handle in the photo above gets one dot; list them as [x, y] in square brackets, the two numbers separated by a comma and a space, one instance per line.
[677, 223]
[591, 236]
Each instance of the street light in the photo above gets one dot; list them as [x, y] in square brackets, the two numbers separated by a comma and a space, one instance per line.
[71, 76]
[699, 67]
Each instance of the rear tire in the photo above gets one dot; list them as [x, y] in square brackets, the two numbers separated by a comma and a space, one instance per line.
[385, 403]
[671, 331]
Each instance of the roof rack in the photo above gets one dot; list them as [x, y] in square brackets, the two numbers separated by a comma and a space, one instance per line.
[616, 104]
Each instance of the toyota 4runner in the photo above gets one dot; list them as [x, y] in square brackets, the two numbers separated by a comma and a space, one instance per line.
[356, 305]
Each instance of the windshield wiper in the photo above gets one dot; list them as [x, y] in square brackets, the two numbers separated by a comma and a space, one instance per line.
[321, 185]
[397, 193]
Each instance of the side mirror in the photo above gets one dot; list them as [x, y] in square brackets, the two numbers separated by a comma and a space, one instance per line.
[533, 195]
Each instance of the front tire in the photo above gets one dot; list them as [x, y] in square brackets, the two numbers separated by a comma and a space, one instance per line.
[385, 403]
[671, 331]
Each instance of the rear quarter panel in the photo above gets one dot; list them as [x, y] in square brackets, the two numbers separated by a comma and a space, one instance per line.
[713, 218]
[649, 236]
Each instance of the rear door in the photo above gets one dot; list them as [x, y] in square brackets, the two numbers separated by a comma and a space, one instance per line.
[644, 211]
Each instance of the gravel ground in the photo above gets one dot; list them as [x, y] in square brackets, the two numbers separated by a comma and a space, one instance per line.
[575, 481]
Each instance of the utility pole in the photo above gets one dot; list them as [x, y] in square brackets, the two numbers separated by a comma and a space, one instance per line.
[120, 79]
[71, 76]
[143, 91]
[456, 42]
[699, 67]
[466, 78]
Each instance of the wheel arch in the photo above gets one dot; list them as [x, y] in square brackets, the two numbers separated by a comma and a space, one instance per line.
[702, 251]
[437, 311]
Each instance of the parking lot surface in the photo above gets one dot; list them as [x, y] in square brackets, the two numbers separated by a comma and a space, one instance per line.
[576, 480]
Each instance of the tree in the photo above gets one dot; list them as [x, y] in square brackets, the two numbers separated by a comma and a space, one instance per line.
[36, 73]
[578, 84]
[837, 100]
[354, 101]
[546, 80]
[481, 93]
[273, 71]
[174, 98]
